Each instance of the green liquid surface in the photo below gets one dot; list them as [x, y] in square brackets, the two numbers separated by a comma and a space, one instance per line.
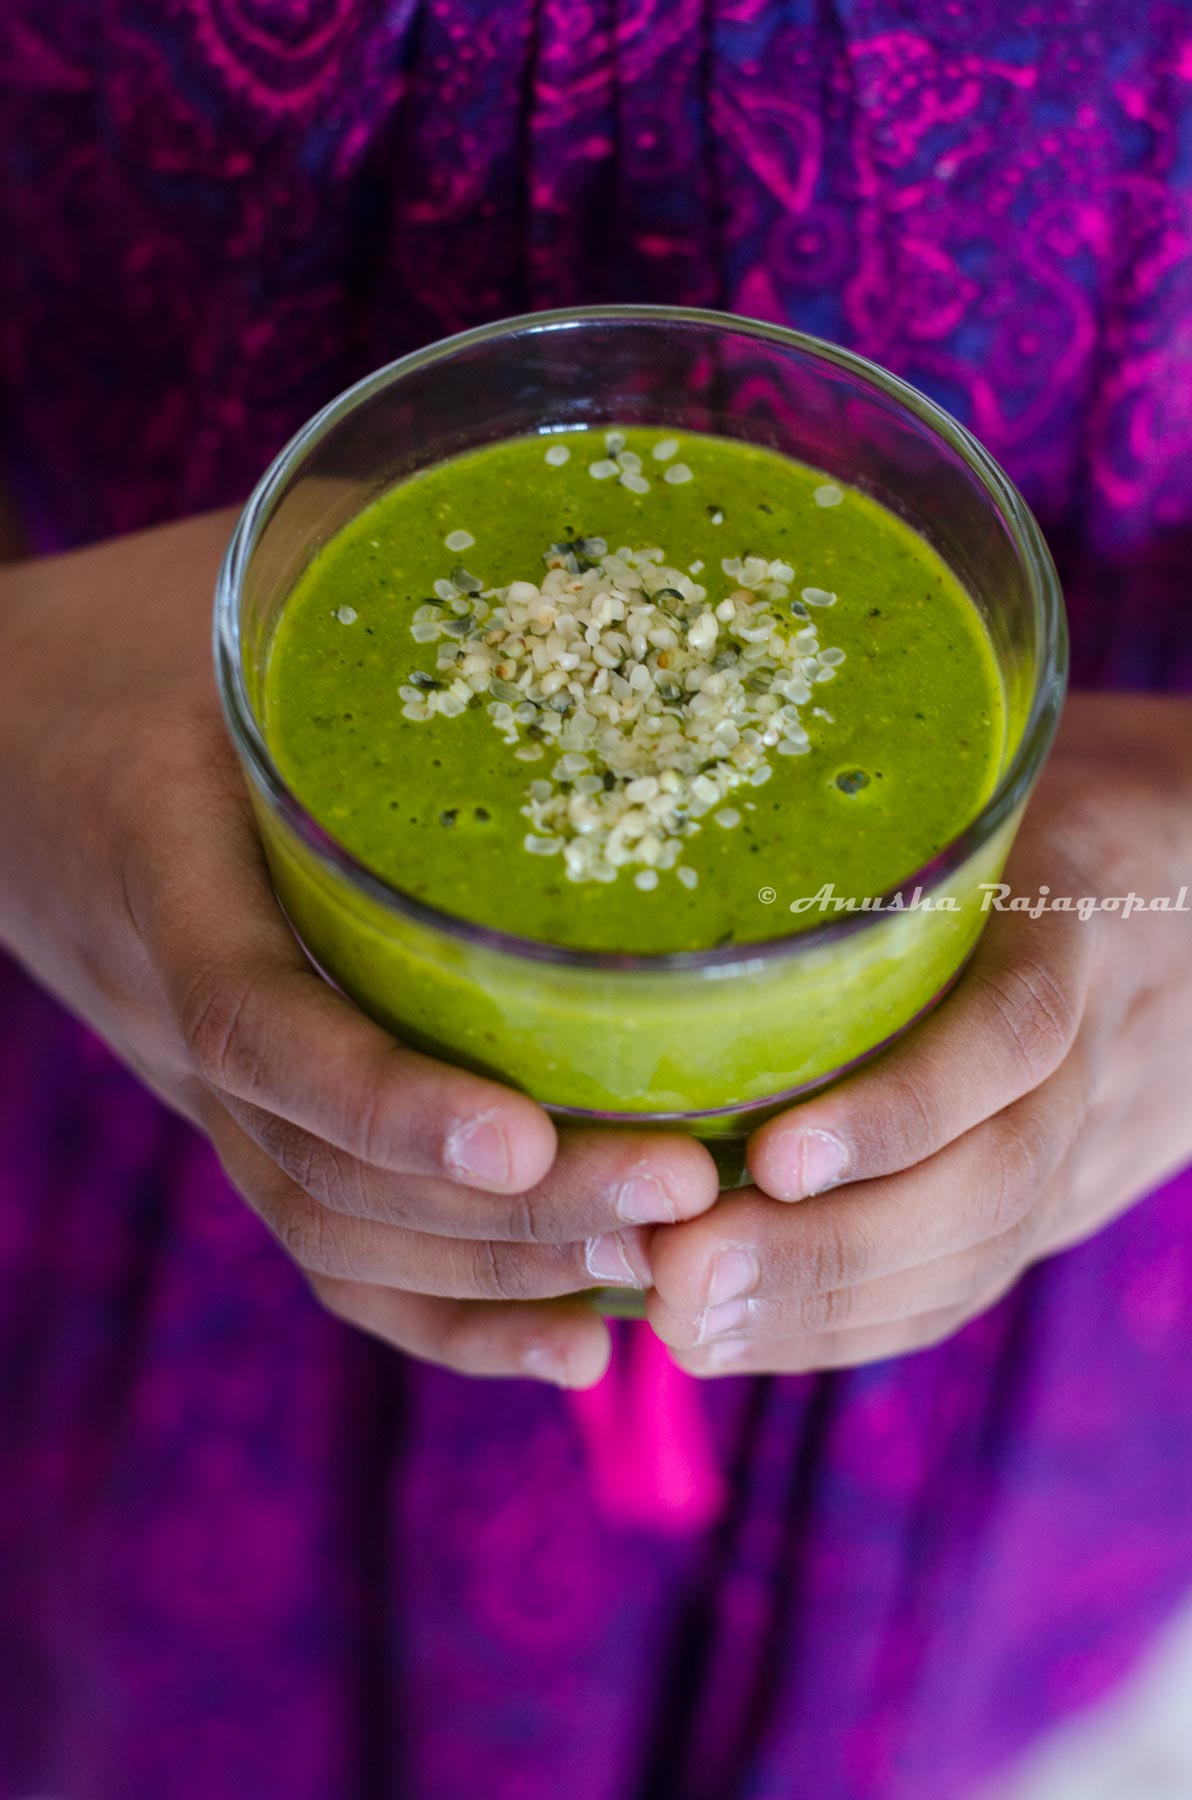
[906, 738]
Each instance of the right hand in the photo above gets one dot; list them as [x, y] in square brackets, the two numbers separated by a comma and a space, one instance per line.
[133, 886]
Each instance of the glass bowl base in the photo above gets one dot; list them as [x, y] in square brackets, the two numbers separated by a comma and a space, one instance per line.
[618, 1303]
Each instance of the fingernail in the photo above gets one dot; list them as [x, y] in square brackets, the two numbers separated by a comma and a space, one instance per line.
[642, 1200]
[541, 1364]
[608, 1259]
[732, 1350]
[477, 1148]
[734, 1272]
[716, 1320]
[815, 1160]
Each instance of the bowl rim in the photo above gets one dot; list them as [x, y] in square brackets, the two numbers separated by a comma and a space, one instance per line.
[1012, 787]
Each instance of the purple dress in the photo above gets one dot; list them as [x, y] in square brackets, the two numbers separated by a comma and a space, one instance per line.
[245, 1552]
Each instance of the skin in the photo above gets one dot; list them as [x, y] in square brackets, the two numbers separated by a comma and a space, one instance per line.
[1043, 1098]
[132, 885]
[442, 1212]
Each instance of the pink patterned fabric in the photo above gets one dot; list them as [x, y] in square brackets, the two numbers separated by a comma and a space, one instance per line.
[243, 1551]
[650, 1458]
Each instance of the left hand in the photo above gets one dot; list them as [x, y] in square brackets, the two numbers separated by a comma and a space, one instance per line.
[1044, 1096]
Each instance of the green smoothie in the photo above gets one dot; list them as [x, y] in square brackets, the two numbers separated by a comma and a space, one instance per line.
[633, 691]
[894, 748]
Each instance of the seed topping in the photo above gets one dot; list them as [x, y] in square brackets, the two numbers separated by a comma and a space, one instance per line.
[643, 698]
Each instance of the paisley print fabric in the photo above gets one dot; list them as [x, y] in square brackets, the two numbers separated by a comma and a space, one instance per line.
[243, 1551]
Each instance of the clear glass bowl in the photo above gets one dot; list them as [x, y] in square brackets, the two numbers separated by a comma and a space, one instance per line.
[712, 1041]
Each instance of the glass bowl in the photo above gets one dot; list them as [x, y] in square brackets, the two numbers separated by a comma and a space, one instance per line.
[710, 1042]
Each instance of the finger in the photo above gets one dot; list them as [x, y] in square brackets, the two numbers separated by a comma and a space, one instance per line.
[601, 1181]
[563, 1342]
[262, 1027]
[818, 1352]
[1008, 1025]
[337, 1247]
[988, 1183]
[968, 1281]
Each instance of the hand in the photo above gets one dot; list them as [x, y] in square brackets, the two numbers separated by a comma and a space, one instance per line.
[1046, 1094]
[133, 886]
